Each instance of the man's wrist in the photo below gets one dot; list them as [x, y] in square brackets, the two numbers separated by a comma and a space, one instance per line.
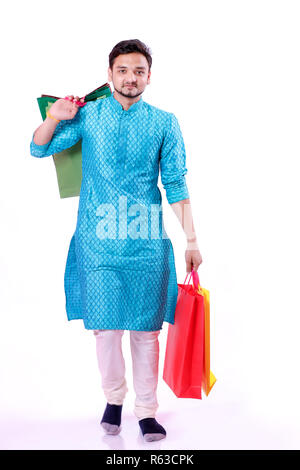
[191, 239]
[192, 243]
[49, 115]
[50, 123]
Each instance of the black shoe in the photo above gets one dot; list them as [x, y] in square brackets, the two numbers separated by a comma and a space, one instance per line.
[151, 429]
[111, 420]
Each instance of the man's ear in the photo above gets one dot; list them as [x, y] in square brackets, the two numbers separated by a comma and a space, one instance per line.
[148, 79]
[109, 74]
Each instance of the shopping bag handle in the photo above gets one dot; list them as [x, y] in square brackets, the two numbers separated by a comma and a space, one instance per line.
[195, 277]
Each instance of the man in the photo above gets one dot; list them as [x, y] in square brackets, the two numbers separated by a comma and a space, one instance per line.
[120, 272]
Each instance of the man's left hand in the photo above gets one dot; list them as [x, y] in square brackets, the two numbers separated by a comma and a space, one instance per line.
[193, 257]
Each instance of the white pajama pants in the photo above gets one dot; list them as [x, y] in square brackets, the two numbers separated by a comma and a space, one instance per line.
[145, 358]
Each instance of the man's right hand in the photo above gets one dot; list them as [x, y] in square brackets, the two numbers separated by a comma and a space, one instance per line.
[65, 108]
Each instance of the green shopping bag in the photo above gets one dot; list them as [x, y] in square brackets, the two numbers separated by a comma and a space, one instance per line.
[68, 163]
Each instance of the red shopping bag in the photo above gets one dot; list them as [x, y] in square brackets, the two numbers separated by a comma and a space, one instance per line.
[187, 356]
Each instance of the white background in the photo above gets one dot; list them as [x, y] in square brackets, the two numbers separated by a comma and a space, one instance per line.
[229, 70]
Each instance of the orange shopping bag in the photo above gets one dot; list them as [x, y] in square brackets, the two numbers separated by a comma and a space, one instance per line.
[208, 378]
[187, 356]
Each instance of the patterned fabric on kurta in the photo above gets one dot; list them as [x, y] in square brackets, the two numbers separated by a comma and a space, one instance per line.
[120, 270]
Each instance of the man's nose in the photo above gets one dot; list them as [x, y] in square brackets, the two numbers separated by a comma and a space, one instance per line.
[130, 78]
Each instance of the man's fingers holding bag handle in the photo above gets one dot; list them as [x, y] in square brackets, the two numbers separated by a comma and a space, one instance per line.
[74, 100]
[78, 99]
[71, 98]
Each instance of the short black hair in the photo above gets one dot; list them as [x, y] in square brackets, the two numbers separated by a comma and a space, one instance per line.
[128, 46]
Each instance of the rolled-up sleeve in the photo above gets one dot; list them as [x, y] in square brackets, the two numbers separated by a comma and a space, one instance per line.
[67, 133]
[173, 162]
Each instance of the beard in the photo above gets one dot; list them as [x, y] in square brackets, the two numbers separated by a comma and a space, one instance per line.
[131, 93]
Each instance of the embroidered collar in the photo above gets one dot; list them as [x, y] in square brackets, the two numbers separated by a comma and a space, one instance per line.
[117, 105]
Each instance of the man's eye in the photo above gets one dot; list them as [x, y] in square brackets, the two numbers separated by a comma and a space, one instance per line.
[139, 71]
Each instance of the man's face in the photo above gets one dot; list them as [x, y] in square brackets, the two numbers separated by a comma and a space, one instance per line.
[130, 74]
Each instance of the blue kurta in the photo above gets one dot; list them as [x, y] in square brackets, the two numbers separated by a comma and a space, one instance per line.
[120, 270]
